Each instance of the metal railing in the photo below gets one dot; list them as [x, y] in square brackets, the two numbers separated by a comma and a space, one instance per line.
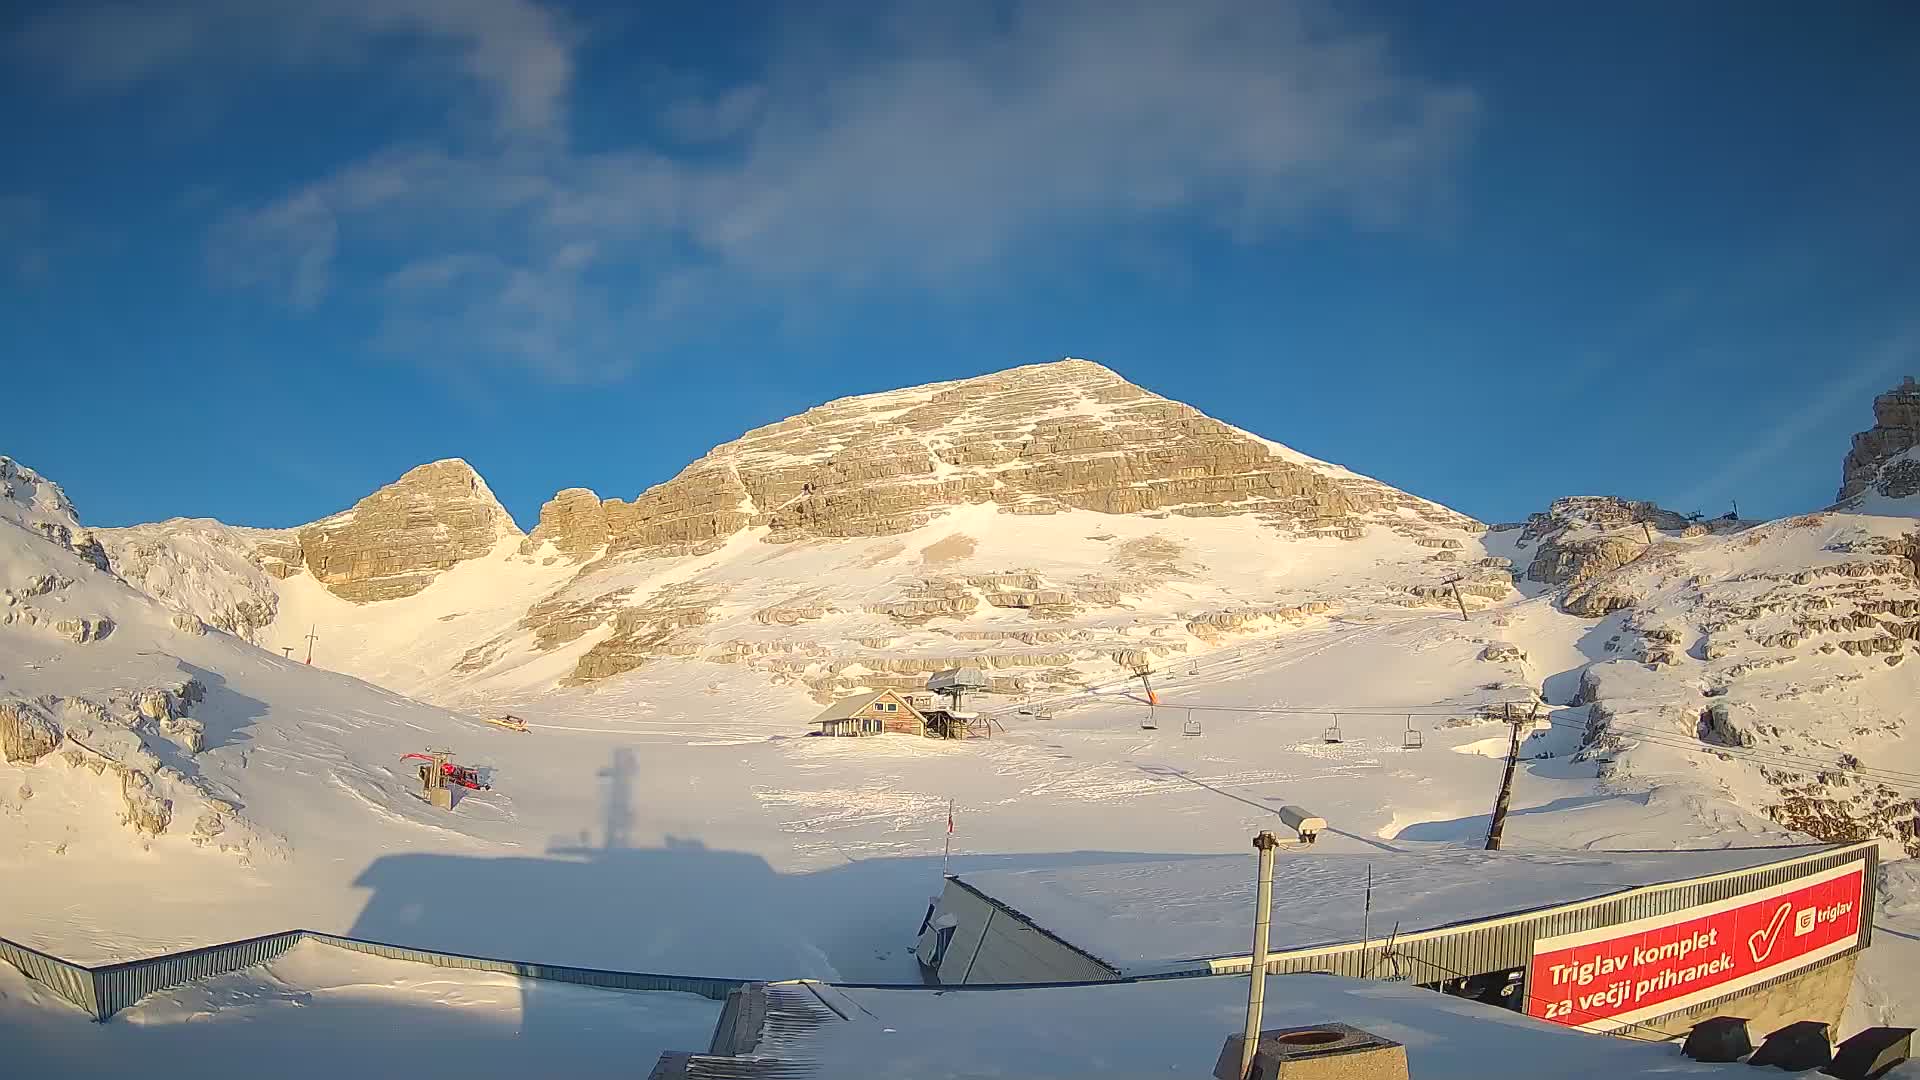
[106, 989]
[1477, 945]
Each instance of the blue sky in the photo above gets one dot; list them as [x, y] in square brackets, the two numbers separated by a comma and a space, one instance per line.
[257, 258]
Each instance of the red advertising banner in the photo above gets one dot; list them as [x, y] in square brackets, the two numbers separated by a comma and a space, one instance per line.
[1613, 975]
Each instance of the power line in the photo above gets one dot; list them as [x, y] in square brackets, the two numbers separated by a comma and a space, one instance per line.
[1778, 758]
[1892, 778]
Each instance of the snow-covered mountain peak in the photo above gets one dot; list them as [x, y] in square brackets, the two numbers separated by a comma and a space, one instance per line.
[1032, 441]
[41, 507]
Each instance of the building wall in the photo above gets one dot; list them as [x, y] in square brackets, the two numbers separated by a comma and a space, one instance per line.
[904, 723]
[1819, 994]
[1490, 945]
[901, 721]
[991, 946]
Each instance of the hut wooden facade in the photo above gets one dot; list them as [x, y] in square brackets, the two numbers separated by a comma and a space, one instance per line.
[884, 713]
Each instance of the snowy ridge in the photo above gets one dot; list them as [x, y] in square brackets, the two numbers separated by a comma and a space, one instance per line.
[1697, 684]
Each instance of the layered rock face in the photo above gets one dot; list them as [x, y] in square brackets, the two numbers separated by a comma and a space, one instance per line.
[394, 542]
[1033, 440]
[1896, 429]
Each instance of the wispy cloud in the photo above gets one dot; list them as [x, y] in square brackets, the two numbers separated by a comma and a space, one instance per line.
[1872, 375]
[934, 146]
[519, 53]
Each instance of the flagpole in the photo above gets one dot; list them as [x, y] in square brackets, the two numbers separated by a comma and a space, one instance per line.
[949, 852]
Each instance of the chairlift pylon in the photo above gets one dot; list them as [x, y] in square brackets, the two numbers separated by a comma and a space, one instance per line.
[1192, 729]
[1332, 734]
[1412, 739]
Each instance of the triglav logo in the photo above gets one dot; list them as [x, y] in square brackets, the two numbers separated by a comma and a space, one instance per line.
[1760, 944]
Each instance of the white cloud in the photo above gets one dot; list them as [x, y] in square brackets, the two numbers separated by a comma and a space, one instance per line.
[932, 146]
[518, 51]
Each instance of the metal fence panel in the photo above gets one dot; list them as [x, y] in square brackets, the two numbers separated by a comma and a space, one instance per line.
[717, 989]
[71, 981]
[1424, 957]
[120, 985]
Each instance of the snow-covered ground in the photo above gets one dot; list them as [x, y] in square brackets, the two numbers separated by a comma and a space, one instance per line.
[1177, 1027]
[675, 819]
[323, 1013]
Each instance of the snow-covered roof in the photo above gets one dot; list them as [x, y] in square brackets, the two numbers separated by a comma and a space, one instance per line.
[1173, 1027]
[848, 708]
[1144, 917]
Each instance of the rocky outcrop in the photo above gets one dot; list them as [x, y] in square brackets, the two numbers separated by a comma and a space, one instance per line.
[27, 733]
[40, 506]
[666, 625]
[396, 541]
[573, 521]
[83, 628]
[1584, 536]
[219, 574]
[167, 707]
[147, 812]
[1879, 458]
[1033, 440]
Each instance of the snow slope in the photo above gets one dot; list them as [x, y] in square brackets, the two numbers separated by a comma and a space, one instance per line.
[665, 814]
[322, 1013]
[1052, 523]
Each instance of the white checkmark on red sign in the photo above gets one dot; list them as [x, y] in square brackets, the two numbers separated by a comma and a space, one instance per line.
[1760, 944]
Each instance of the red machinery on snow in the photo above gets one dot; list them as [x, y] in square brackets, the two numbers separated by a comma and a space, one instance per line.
[449, 772]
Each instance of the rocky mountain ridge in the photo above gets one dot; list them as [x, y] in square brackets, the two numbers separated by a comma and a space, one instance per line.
[621, 583]
[1059, 527]
[1881, 458]
[1040, 439]
[1786, 645]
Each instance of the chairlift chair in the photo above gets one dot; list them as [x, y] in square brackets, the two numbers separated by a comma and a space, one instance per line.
[1332, 734]
[1412, 739]
[1193, 725]
[1146, 722]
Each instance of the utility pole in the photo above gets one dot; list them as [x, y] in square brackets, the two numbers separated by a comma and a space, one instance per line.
[1499, 822]
[311, 638]
[1257, 977]
[1455, 582]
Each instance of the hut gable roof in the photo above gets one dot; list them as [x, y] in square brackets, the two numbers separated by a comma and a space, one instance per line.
[848, 708]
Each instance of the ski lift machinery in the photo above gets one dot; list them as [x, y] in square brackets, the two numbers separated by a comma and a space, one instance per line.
[1148, 723]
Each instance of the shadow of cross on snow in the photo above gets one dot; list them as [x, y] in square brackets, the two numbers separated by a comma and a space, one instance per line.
[679, 906]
